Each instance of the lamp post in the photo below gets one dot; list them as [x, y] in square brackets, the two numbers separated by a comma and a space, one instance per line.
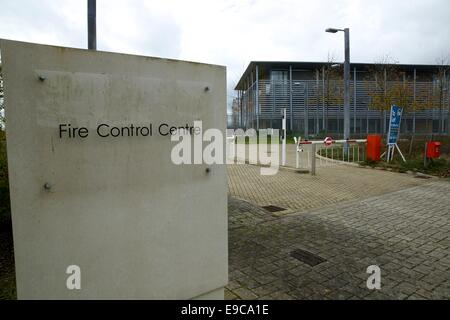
[92, 25]
[346, 82]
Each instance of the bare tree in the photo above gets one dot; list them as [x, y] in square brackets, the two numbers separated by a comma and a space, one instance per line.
[332, 74]
[435, 95]
[390, 87]
[440, 85]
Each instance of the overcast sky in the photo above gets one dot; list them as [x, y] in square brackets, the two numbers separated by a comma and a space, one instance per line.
[235, 32]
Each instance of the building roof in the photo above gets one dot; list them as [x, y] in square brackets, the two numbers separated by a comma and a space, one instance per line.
[306, 65]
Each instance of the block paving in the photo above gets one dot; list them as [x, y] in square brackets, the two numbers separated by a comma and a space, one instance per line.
[352, 218]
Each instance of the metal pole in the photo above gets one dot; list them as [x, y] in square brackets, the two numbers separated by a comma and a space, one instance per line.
[441, 113]
[347, 87]
[367, 115]
[283, 137]
[291, 112]
[306, 114]
[272, 84]
[249, 111]
[257, 97]
[248, 114]
[240, 108]
[354, 100]
[92, 25]
[405, 128]
[323, 98]
[425, 155]
[385, 97]
[313, 159]
[414, 104]
[252, 111]
[448, 109]
[317, 129]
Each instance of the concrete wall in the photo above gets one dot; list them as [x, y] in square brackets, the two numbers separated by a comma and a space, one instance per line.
[138, 226]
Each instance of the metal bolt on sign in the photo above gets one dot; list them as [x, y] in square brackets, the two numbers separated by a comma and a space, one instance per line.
[47, 186]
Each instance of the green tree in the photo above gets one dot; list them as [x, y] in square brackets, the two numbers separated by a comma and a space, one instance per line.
[387, 86]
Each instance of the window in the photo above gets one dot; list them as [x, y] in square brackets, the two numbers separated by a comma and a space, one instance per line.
[280, 83]
[279, 75]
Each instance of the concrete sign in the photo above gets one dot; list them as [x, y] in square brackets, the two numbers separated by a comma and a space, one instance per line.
[99, 210]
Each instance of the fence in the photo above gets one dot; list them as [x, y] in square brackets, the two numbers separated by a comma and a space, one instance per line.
[314, 107]
[310, 154]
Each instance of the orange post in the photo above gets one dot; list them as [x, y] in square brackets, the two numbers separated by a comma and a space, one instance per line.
[373, 152]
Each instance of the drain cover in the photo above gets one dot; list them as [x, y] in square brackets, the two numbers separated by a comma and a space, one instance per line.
[307, 257]
[273, 208]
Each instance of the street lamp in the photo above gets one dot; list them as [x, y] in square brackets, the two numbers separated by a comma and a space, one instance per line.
[333, 30]
[346, 82]
[92, 25]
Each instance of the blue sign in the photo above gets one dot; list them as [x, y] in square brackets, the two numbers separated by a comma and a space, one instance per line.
[394, 124]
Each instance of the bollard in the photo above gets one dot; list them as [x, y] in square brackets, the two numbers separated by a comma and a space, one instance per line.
[313, 159]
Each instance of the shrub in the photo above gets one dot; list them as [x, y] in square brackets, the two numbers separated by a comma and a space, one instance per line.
[5, 211]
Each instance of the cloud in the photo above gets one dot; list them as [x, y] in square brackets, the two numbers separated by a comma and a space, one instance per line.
[42, 22]
[235, 32]
[138, 27]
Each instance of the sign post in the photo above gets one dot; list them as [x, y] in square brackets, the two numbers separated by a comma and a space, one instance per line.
[394, 132]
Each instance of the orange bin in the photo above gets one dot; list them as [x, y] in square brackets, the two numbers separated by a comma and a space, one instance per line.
[433, 149]
[373, 152]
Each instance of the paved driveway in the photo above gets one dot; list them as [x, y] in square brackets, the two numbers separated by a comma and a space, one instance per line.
[299, 192]
[349, 217]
